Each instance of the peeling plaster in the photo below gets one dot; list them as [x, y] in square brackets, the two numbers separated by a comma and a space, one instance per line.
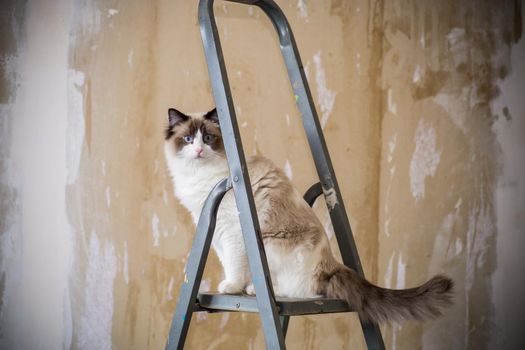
[303, 10]
[401, 272]
[96, 321]
[325, 96]
[169, 295]
[288, 170]
[112, 12]
[330, 197]
[388, 273]
[425, 159]
[131, 53]
[327, 224]
[392, 108]
[108, 196]
[155, 229]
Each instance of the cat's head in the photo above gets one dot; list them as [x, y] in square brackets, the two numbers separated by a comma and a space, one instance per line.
[194, 137]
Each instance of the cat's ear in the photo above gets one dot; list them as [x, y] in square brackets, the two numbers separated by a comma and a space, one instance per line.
[212, 116]
[175, 117]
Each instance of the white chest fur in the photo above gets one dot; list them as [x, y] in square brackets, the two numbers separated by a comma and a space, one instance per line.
[193, 181]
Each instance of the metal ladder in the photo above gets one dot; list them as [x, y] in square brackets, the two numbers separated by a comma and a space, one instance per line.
[274, 312]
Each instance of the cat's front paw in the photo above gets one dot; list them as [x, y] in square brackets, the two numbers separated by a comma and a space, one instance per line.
[230, 287]
[250, 290]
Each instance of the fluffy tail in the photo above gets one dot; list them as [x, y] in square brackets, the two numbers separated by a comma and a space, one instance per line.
[380, 304]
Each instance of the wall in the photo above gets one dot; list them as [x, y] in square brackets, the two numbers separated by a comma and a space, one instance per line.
[421, 107]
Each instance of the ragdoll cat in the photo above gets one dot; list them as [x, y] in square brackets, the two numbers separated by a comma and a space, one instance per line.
[299, 257]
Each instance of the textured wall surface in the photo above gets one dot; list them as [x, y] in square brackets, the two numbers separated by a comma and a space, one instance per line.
[422, 107]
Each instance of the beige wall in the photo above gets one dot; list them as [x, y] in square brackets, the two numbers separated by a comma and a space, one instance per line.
[422, 108]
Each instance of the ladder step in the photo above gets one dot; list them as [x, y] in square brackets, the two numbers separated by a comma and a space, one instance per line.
[215, 302]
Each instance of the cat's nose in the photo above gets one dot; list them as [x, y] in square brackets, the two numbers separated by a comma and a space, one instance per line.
[199, 152]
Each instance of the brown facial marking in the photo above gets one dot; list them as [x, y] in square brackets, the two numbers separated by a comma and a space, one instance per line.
[190, 127]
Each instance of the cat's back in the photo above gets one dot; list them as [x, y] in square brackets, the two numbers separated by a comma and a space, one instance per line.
[261, 167]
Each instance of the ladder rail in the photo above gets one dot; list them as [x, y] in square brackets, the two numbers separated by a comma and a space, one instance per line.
[257, 261]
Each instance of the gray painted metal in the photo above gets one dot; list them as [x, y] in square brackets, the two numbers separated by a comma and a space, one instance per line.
[241, 182]
[195, 266]
[312, 193]
[286, 306]
[285, 321]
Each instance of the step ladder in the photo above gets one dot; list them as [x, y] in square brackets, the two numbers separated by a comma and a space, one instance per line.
[274, 312]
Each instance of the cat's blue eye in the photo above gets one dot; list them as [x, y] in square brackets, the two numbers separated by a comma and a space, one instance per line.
[188, 138]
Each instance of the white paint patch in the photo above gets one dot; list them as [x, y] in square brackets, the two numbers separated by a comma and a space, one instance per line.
[131, 53]
[303, 10]
[244, 124]
[480, 229]
[417, 74]
[391, 148]
[108, 196]
[224, 320]
[459, 246]
[103, 165]
[392, 107]
[331, 198]
[327, 224]
[288, 120]
[165, 196]
[395, 329]
[75, 124]
[388, 273]
[89, 19]
[112, 12]
[96, 321]
[456, 107]
[401, 272]
[358, 62]
[126, 263]
[250, 11]
[387, 225]
[325, 96]
[169, 295]
[458, 45]
[288, 170]
[424, 160]
[155, 229]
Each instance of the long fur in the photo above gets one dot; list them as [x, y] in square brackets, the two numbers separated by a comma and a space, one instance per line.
[297, 248]
[380, 304]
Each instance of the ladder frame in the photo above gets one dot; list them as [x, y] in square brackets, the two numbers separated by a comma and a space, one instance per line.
[274, 325]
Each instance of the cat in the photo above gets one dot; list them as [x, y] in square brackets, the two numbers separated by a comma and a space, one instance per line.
[299, 256]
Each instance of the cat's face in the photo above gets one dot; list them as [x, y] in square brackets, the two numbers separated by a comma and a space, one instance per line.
[194, 138]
